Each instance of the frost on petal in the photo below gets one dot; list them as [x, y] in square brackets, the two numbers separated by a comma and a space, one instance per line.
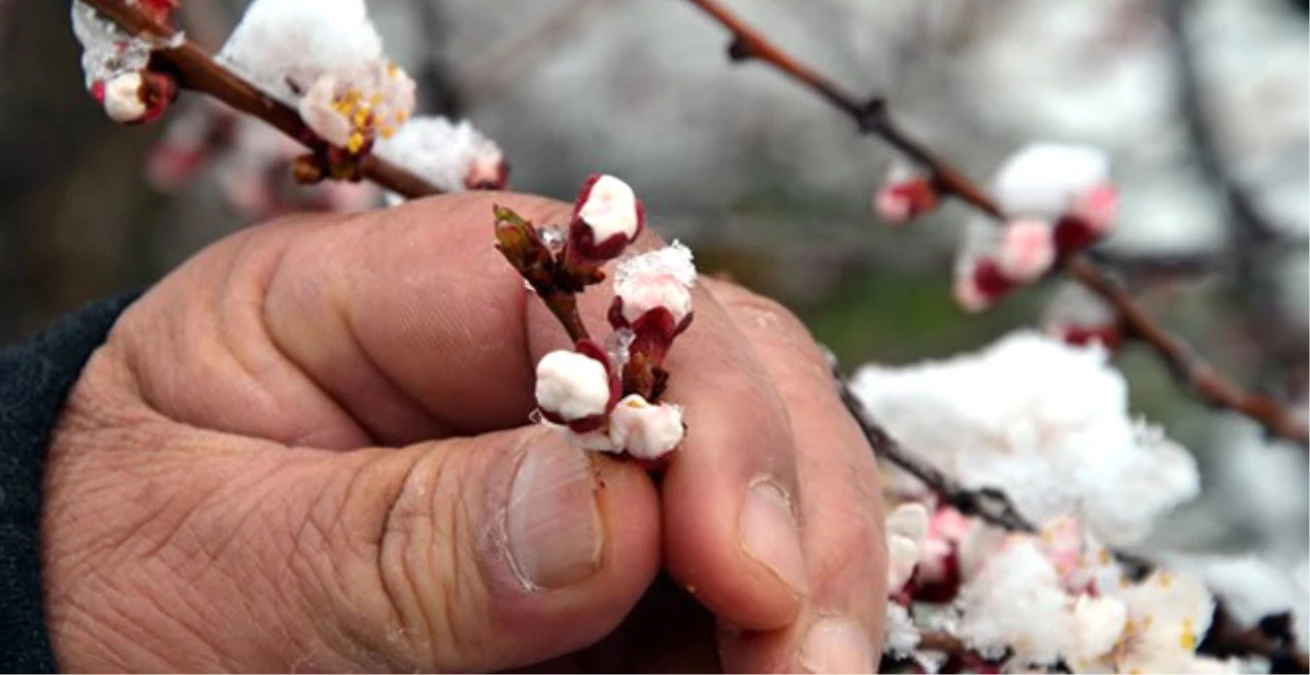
[572, 385]
[644, 430]
[325, 57]
[107, 51]
[1046, 423]
[900, 635]
[1045, 179]
[453, 157]
[284, 46]
[1251, 587]
[1016, 603]
[675, 260]
[644, 292]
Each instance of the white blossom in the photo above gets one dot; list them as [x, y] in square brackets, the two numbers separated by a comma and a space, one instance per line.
[609, 207]
[674, 260]
[572, 385]
[1044, 180]
[643, 430]
[453, 157]
[1016, 603]
[1046, 423]
[1167, 616]
[325, 57]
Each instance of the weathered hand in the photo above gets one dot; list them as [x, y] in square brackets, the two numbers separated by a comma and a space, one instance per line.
[308, 448]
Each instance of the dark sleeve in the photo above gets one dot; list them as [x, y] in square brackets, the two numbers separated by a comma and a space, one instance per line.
[35, 377]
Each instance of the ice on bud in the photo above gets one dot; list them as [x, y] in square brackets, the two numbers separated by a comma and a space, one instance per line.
[107, 50]
[1045, 180]
[646, 431]
[123, 100]
[572, 386]
[1026, 250]
[452, 156]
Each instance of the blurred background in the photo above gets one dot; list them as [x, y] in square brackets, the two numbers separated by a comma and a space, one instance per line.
[1203, 104]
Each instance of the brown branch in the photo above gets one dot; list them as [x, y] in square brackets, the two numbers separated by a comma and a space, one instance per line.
[197, 70]
[989, 504]
[873, 118]
[1271, 638]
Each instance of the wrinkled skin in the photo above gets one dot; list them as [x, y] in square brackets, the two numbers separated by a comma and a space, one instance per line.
[297, 451]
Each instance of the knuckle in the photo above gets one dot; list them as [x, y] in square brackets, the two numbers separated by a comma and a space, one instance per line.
[428, 570]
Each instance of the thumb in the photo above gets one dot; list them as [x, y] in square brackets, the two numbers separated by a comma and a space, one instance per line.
[468, 554]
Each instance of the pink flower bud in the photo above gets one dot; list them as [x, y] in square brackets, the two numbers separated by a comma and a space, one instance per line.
[900, 202]
[606, 218]
[646, 431]
[1090, 217]
[1026, 251]
[572, 387]
[487, 170]
[981, 284]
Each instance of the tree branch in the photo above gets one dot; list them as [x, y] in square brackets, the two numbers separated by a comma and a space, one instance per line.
[196, 70]
[873, 118]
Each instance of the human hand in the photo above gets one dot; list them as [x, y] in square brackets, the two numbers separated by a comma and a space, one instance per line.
[307, 449]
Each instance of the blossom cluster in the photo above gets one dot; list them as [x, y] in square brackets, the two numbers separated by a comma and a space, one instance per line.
[325, 59]
[1058, 199]
[1046, 423]
[606, 398]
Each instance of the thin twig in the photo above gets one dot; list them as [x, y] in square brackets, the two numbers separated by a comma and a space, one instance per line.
[1271, 638]
[873, 118]
[196, 70]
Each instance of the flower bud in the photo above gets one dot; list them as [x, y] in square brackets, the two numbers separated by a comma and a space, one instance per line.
[572, 387]
[1026, 250]
[900, 202]
[606, 218]
[980, 284]
[660, 279]
[1090, 217]
[122, 98]
[646, 431]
